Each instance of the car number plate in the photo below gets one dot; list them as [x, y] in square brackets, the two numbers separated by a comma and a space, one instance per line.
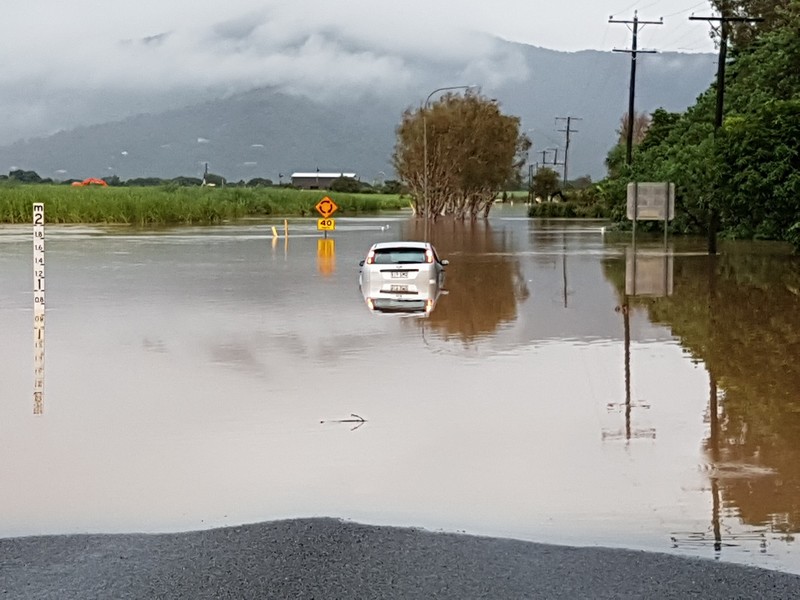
[398, 288]
[399, 274]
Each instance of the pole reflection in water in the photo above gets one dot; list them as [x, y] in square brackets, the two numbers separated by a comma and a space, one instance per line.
[713, 442]
[326, 256]
[713, 409]
[629, 432]
[626, 318]
[275, 239]
[564, 264]
[648, 274]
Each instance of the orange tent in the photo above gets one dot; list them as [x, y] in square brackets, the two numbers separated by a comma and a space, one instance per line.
[90, 181]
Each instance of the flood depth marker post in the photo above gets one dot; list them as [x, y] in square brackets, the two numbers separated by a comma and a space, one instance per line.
[38, 308]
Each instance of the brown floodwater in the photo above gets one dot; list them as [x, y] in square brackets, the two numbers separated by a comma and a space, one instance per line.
[567, 387]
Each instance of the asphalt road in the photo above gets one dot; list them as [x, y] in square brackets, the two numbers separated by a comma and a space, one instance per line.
[330, 559]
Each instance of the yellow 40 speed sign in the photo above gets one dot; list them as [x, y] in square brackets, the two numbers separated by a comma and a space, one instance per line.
[326, 224]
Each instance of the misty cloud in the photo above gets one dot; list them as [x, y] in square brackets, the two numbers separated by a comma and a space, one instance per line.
[153, 56]
[156, 39]
[238, 29]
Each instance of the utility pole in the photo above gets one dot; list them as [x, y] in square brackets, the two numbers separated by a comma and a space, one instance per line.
[567, 131]
[632, 91]
[555, 162]
[713, 213]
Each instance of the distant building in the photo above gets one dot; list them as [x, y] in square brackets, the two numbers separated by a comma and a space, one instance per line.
[317, 180]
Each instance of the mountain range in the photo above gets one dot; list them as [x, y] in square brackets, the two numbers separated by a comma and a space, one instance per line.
[272, 132]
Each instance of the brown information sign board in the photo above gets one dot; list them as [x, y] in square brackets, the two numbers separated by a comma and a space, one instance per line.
[651, 201]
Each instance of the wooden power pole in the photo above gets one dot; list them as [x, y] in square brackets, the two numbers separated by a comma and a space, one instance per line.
[632, 91]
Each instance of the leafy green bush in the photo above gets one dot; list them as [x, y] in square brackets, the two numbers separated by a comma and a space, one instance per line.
[568, 210]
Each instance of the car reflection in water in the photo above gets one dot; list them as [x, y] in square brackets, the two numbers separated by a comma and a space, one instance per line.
[402, 277]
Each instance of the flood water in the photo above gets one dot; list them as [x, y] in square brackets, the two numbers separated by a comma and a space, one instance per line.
[567, 388]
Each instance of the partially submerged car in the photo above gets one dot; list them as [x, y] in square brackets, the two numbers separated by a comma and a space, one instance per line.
[402, 277]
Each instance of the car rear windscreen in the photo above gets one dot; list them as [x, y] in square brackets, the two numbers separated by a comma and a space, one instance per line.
[396, 256]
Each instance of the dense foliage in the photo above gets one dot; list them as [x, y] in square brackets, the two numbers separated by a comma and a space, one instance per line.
[747, 171]
[472, 150]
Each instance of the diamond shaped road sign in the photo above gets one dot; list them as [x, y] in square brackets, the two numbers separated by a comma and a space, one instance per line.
[326, 207]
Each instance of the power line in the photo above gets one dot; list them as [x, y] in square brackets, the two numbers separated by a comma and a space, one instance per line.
[680, 12]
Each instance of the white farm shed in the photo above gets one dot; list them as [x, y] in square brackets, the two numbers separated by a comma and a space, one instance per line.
[317, 180]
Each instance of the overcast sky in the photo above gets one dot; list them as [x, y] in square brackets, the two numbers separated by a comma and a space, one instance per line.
[62, 57]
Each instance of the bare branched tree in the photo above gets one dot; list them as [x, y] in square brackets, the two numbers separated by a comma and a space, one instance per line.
[472, 150]
[641, 123]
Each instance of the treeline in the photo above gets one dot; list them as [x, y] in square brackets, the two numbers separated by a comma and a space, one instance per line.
[744, 177]
[343, 184]
[23, 176]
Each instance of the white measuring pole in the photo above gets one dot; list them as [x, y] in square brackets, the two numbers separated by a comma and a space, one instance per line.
[38, 308]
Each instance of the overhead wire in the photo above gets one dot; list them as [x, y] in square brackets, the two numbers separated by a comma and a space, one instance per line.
[671, 36]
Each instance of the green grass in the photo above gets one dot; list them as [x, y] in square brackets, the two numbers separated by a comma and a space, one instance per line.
[568, 210]
[171, 205]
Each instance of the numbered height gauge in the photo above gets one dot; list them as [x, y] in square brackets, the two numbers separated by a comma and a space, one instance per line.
[38, 308]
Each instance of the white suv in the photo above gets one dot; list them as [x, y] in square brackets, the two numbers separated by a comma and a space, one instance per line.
[401, 277]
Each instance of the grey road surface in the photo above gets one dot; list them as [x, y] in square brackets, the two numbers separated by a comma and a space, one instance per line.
[330, 559]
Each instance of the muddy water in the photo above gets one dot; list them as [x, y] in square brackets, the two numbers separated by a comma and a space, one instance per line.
[566, 388]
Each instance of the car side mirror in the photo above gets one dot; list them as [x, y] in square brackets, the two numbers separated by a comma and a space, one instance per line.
[361, 263]
[445, 262]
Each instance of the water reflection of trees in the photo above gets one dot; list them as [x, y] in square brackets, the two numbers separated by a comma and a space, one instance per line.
[484, 281]
[740, 314]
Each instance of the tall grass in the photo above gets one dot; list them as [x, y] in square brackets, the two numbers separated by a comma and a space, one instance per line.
[171, 205]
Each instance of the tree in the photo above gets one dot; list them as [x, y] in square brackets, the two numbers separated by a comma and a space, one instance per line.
[660, 125]
[184, 181]
[392, 186]
[259, 182]
[545, 183]
[24, 176]
[215, 180]
[775, 14]
[145, 182]
[580, 183]
[347, 185]
[641, 123]
[760, 175]
[472, 150]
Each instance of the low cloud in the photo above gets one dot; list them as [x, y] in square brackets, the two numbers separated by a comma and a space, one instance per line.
[151, 58]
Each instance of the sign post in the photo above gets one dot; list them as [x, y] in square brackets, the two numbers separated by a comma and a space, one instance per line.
[326, 207]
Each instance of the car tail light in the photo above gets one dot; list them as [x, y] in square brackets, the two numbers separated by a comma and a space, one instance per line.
[371, 257]
[428, 256]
